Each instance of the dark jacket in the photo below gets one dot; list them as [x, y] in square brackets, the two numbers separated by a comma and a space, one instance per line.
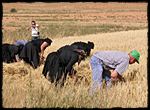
[30, 52]
[9, 51]
[59, 64]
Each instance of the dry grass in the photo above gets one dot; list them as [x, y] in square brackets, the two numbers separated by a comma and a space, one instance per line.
[69, 19]
[26, 87]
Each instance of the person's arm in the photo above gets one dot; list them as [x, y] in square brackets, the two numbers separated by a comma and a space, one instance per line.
[117, 73]
[43, 47]
[41, 57]
[17, 58]
[121, 68]
[42, 54]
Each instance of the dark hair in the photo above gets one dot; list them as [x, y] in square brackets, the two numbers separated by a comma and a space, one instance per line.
[49, 41]
[33, 22]
[91, 44]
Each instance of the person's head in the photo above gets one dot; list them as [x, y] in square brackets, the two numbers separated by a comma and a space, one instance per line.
[90, 45]
[46, 42]
[134, 57]
[33, 23]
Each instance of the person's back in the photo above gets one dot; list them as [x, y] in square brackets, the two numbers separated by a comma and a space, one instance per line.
[30, 52]
[80, 45]
[84, 46]
[113, 58]
[37, 43]
[63, 48]
[67, 54]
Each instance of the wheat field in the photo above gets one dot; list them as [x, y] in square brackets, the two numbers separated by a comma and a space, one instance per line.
[26, 87]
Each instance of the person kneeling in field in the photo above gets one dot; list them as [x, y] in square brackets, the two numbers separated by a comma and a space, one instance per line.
[116, 61]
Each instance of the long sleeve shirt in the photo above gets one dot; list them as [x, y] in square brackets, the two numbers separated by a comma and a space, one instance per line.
[117, 60]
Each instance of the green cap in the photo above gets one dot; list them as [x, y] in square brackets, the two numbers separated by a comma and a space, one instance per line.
[136, 55]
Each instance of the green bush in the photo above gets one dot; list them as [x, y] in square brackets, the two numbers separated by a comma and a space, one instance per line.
[13, 10]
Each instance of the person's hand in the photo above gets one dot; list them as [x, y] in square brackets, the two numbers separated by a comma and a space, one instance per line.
[42, 59]
[114, 75]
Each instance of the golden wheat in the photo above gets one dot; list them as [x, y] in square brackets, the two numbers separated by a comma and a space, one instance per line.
[26, 87]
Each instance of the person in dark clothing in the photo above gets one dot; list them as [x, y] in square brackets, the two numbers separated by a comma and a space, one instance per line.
[20, 44]
[60, 63]
[52, 66]
[72, 48]
[85, 46]
[33, 51]
[10, 52]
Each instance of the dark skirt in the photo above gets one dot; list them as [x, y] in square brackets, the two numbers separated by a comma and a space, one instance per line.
[30, 55]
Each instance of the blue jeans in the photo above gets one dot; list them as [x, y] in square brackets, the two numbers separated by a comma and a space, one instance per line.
[97, 71]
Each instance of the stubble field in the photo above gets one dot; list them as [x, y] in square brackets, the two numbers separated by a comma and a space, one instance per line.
[111, 26]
